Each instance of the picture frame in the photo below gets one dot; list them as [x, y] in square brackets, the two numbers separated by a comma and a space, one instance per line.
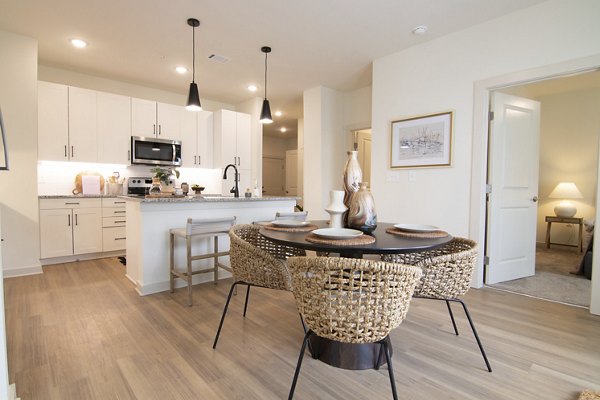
[422, 141]
[3, 147]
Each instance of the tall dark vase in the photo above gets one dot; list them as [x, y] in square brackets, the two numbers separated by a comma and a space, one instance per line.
[352, 178]
[362, 214]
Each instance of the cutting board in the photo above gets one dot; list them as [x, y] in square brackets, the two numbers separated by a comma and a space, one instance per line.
[79, 182]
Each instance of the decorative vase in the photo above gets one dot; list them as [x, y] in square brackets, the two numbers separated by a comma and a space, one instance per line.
[352, 177]
[336, 208]
[361, 214]
[155, 188]
[167, 188]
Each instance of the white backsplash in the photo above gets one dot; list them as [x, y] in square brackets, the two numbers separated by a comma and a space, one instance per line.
[58, 178]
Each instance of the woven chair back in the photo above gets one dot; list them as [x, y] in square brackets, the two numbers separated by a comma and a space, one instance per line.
[352, 300]
[258, 261]
[447, 271]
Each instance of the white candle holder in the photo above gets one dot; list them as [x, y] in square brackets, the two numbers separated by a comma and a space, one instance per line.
[336, 208]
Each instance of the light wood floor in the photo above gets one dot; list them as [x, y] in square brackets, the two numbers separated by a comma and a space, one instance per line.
[80, 331]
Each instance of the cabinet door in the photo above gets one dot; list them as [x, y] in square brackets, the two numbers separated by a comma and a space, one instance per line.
[87, 230]
[225, 138]
[113, 239]
[53, 121]
[243, 140]
[83, 146]
[114, 128]
[205, 139]
[169, 121]
[56, 238]
[143, 117]
[189, 139]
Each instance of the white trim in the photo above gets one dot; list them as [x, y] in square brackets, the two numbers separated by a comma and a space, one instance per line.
[81, 257]
[480, 143]
[23, 271]
[158, 287]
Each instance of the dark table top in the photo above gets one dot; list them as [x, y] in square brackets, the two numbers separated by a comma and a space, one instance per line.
[384, 243]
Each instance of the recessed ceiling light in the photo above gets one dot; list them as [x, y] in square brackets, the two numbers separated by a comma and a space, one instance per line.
[278, 113]
[252, 88]
[419, 30]
[79, 43]
[181, 70]
[284, 129]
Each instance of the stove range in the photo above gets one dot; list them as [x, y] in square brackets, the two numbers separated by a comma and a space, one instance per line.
[138, 186]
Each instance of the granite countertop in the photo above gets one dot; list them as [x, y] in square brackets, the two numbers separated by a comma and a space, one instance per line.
[206, 199]
[77, 196]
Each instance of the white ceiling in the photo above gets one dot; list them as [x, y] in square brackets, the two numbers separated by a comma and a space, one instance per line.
[315, 42]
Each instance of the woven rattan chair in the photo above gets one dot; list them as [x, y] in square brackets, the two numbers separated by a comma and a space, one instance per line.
[256, 261]
[447, 273]
[351, 301]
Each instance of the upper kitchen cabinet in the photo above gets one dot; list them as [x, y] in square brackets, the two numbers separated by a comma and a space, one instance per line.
[197, 139]
[114, 128]
[232, 141]
[152, 119]
[83, 125]
[53, 121]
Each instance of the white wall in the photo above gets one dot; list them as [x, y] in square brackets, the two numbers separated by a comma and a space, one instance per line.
[300, 141]
[570, 128]
[276, 147]
[18, 193]
[440, 75]
[3, 356]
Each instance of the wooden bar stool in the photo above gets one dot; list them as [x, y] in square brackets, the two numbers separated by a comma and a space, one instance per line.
[198, 228]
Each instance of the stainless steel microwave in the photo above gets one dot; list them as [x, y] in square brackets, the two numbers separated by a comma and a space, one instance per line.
[153, 151]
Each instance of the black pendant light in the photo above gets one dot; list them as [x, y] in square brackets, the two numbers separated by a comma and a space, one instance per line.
[265, 112]
[193, 101]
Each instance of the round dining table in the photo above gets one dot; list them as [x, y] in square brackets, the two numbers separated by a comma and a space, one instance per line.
[349, 355]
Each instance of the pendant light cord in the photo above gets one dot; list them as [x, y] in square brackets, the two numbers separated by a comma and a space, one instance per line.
[193, 54]
[266, 54]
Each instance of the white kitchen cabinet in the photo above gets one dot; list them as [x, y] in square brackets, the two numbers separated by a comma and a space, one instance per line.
[83, 145]
[70, 226]
[232, 139]
[114, 219]
[197, 139]
[53, 121]
[153, 119]
[114, 128]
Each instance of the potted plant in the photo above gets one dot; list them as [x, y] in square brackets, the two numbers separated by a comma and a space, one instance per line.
[162, 176]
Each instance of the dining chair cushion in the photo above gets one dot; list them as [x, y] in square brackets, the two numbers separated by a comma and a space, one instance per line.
[352, 300]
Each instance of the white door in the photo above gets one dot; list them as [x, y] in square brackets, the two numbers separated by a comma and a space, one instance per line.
[143, 117]
[291, 172]
[244, 140]
[513, 175]
[205, 139]
[189, 138]
[53, 121]
[169, 118]
[82, 125]
[56, 232]
[363, 139]
[87, 230]
[273, 175]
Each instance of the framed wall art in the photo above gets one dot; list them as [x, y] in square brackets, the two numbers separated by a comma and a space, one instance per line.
[423, 141]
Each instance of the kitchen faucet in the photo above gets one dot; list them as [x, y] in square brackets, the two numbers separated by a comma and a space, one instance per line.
[235, 190]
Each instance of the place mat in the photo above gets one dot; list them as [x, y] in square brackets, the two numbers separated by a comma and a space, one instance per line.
[362, 239]
[163, 195]
[589, 395]
[422, 235]
[305, 228]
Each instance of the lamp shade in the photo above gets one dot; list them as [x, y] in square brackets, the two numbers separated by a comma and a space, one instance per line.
[193, 101]
[566, 190]
[265, 113]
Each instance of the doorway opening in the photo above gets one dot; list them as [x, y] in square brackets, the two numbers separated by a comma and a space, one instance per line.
[362, 143]
[569, 131]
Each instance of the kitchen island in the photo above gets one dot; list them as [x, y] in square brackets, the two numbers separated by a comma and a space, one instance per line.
[149, 221]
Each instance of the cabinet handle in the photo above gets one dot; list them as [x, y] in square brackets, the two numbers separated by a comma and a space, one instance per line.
[66, 151]
[120, 222]
[154, 129]
[239, 162]
[72, 151]
[194, 160]
[76, 223]
[159, 129]
[128, 155]
[120, 202]
[119, 212]
[69, 219]
[199, 160]
[120, 238]
[66, 204]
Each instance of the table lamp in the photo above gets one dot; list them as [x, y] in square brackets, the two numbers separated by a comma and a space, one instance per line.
[565, 191]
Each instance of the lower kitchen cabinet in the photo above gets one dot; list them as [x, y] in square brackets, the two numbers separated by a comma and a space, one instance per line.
[113, 224]
[70, 227]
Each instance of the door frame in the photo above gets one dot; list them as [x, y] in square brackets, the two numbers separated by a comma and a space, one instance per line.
[479, 156]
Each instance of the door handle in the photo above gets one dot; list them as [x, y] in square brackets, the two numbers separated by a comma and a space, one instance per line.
[534, 199]
[159, 129]
[154, 129]
[76, 223]
[194, 160]
[65, 151]
[69, 215]
[72, 151]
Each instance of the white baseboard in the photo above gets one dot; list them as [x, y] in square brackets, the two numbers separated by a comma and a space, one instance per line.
[158, 287]
[22, 271]
[12, 392]
[81, 257]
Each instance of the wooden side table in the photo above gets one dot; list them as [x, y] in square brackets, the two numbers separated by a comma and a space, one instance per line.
[561, 220]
